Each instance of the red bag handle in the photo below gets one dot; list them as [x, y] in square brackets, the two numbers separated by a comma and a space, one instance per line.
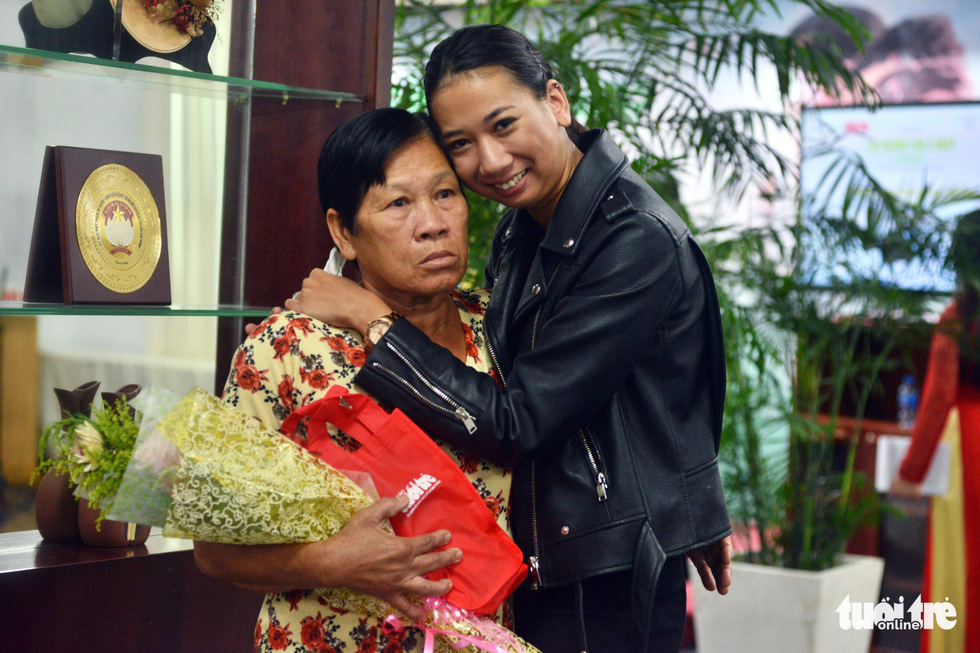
[355, 414]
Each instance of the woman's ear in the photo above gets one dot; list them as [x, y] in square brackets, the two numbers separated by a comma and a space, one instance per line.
[341, 235]
[558, 103]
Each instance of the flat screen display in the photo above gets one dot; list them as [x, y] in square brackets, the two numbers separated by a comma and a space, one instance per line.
[906, 148]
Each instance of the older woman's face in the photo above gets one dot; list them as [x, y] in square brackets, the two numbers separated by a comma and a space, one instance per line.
[411, 239]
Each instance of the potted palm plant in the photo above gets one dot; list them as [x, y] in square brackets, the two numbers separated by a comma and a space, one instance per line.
[809, 339]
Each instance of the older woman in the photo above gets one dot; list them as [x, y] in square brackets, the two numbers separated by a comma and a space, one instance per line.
[393, 205]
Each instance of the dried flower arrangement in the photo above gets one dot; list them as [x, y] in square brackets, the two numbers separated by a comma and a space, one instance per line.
[190, 16]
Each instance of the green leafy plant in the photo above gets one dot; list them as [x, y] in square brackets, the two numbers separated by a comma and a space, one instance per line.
[646, 71]
[808, 342]
[92, 451]
[800, 354]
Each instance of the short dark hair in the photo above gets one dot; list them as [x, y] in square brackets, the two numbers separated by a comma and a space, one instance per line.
[354, 156]
[479, 46]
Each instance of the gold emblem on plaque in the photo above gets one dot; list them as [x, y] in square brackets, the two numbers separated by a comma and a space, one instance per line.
[118, 228]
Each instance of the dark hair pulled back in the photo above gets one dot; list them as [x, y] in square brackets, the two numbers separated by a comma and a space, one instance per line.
[479, 46]
[354, 157]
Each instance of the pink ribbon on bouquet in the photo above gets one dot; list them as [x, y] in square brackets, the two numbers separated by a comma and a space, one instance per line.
[442, 613]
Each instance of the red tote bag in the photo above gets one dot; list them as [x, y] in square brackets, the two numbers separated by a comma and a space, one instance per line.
[401, 459]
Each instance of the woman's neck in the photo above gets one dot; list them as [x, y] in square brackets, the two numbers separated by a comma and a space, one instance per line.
[543, 215]
[436, 316]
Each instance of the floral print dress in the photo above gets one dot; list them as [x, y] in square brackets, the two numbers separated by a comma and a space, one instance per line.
[291, 360]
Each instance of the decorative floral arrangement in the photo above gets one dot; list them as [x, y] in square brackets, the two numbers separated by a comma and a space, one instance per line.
[189, 16]
[92, 451]
[187, 465]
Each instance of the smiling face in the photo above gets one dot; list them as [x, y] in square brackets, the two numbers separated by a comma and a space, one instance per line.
[410, 241]
[506, 143]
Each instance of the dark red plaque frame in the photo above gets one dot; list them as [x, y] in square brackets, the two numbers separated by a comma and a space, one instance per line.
[56, 271]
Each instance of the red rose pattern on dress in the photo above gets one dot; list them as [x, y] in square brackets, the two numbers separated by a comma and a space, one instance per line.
[472, 302]
[309, 357]
[278, 637]
[471, 349]
[247, 376]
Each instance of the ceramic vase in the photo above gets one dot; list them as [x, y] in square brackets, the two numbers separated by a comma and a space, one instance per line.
[55, 508]
[127, 392]
[110, 533]
[62, 517]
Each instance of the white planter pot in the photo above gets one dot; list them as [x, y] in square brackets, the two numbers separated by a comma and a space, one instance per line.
[771, 609]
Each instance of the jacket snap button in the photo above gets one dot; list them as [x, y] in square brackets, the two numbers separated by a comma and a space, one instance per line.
[508, 232]
[569, 243]
[535, 289]
[564, 530]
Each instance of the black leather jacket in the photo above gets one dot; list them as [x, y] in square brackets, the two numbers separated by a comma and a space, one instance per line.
[606, 331]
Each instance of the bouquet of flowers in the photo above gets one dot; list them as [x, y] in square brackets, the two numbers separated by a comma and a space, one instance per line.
[188, 465]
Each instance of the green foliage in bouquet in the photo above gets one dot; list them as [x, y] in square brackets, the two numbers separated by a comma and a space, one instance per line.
[92, 451]
[201, 469]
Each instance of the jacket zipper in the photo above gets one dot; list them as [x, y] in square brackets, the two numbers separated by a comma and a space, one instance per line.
[595, 461]
[534, 568]
[493, 357]
[459, 412]
[534, 561]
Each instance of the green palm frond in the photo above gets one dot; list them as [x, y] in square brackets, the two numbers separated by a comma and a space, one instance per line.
[652, 73]
[646, 70]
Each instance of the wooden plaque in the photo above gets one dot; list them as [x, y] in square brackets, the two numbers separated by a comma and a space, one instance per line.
[100, 230]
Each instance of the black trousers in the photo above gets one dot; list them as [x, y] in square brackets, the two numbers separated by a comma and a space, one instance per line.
[595, 615]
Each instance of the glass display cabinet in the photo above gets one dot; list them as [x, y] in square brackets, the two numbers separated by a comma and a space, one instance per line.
[239, 127]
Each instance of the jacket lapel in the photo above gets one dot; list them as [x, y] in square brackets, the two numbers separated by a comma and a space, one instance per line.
[534, 292]
[595, 173]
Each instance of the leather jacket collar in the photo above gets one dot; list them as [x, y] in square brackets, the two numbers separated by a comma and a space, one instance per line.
[601, 164]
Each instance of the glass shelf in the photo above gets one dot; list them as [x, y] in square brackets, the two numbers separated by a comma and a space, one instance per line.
[221, 310]
[55, 64]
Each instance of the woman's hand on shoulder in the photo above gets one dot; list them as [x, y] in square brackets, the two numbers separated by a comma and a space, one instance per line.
[252, 326]
[337, 300]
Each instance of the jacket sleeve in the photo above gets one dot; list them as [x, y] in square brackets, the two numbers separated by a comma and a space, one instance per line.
[582, 355]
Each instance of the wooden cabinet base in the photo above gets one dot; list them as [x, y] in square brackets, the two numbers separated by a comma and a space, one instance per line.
[148, 598]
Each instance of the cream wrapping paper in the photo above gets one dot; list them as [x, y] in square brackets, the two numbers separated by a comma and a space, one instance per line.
[203, 470]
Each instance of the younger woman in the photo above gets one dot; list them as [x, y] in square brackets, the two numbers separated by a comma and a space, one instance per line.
[605, 335]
